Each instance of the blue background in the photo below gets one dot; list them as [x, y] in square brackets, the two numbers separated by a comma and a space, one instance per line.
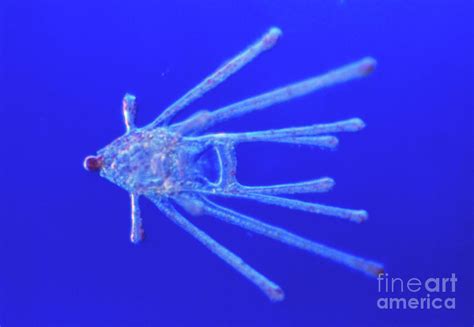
[66, 259]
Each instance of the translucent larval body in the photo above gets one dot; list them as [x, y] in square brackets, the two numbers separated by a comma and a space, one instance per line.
[150, 161]
[161, 162]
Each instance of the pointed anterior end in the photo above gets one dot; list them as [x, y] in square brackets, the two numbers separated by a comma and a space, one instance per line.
[270, 38]
[367, 65]
[93, 163]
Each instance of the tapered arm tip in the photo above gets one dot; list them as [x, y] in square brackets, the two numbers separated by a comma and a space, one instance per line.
[368, 65]
[275, 294]
[271, 37]
[137, 233]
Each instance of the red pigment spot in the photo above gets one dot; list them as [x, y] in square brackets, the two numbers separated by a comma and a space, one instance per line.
[367, 68]
[371, 268]
[276, 294]
[93, 163]
[378, 271]
[269, 41]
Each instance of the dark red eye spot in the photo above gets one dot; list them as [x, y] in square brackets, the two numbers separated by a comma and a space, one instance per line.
[93, 163]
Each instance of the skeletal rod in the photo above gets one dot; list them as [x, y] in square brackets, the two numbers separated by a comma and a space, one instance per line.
[136, 233]
[229, 216]
[129, 110]
[272, 290]
[329, 142]
[266, 42]
[317, 185]
[297, 135]
[357, 216]
[354, 70]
